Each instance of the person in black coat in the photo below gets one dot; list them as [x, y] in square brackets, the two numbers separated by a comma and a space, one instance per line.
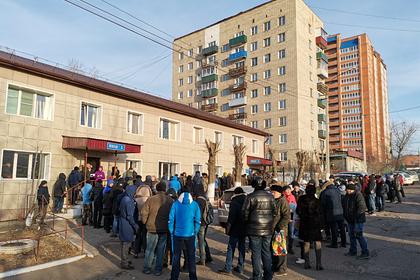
[97, 191]
[73, 181]
[59, 192]
[107, 206]
[381, 191]
[332, 211]
[43, 199]
[309, 211]
[235, 228]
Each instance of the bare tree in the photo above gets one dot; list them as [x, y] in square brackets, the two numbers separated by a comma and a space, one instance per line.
[76, 66]
[213, 148]
[401, 135]
[273, 155]
[239, 152]
[302, 158]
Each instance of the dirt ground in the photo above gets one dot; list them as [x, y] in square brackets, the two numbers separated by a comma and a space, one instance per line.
[51, 247]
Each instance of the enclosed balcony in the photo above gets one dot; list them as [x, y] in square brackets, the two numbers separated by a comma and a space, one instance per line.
[323, 56]
[322, 103]
[237, 116]
[322, 71]
[237, 87]
[322, 117]
[209, 93]
[209, 78]
[238, 55]
[321, 42]
[322, 133]
[209, 107]
[210, 50]
[322, 88]
[237, 41]
[235, 72]
[237, 102]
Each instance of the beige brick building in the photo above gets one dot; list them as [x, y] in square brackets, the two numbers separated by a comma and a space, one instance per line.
[51, 119]
[263, 67]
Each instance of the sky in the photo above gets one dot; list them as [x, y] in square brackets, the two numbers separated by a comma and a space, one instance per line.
[60, 32]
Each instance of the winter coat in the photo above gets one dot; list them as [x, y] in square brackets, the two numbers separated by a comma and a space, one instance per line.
[381, 188]
[309, 211]
[143, 193]
[107, 201]
[184, 217]
[235, 225]
[60, 186]
[354, 207]
[283, 215]
[75, 178]
[113, 197]
[175, 184]
[331, 206]
[99, 175]
[371, 187]
[155, 213]
[398, 182]
[43, 195]
[297, 194]
[197, 184]
[127, 225]
[97, 191]
[258, 213]
[87, 188]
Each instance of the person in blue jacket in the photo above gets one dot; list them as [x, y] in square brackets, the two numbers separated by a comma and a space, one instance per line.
[184, 225]
[175, 184]
[127, 224]
[87, 204]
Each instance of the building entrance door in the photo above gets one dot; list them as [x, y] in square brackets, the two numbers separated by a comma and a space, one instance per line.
[95, 162]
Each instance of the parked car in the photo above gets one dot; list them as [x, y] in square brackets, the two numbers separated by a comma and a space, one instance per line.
[408, 180]
[413, 175]
[224, 202]
[352, 173]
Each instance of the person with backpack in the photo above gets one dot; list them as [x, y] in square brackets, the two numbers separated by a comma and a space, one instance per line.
[87, 203]
[59, 192]
[207, 217]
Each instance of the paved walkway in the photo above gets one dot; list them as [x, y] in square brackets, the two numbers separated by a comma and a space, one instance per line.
[393, 238]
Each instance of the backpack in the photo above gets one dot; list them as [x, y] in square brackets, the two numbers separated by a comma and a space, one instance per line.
[116, 211]
[208, 214]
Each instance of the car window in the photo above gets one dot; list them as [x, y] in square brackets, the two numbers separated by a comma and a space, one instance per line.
[227, 197]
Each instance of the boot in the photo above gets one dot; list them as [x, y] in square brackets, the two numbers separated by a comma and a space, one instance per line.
[306, 255]
[318, 259]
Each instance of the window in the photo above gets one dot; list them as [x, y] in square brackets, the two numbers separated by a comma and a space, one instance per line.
[311, 92]
[254, 93]
[181, 68]
[254, 61]
[190, 93]
[254, 46]
[267, 90]
[309, 28]
[212, 44]
[282, 20]
[190, 52]
[269, 140]
[135, 164]
[225, 48]
[25, 165]
[310, 60]
[281, 37]
[169, 130]
[168, 169]
[267, 58]
[255, 146]
[236, 140]
[254, 124]
[282, 87]
[224, 107]
[282, 104]
[283, 156]
[254, 77]
[267, 107]
[310, 76]
[198, 135]
[267, 42]
[267, 25]
[199, 49]
[90, 115]
[254, 109]
[180, 55]
[180, 95]
[254, 30]
[267, 74]
[282, 54]
[283, 138]
[197, 167]
[181, 82]
[312, 125]
[310, 44]
[283, 121]
[134, 123]
[267, 123]
[190, 79]
[218, 138]
[190, 66]
[282, 70]
[30, 103]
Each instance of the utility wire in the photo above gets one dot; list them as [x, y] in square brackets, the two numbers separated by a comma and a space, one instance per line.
[406, 109]
[375, 27]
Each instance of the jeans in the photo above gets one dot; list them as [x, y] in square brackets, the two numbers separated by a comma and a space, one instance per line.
[156, 247]
[177, 244]
[335, 227]
[115, 224]
[202, 245]
[261, 251]
[58, 203]
[141, 241]
[356, 233]
[371, 202]
[124, 253]
[399, 196]
[87, 214]
[233, 241]
[380, 202]
[290, 229]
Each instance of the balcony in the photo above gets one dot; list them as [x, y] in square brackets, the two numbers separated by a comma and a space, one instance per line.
[321, 42]
[238, 55]
[237, 102]
[210, 50]
[335, 139]
[209, 107]
[334, 131]
[237, 87]
[323, 56]
[209, 93]
[322, 134]
[322, 118]
[322, 103]
[237, 116]
[322, 88]
[322, 73]
[205, 64]
[235, 72]
[209, 78]
[237, 41]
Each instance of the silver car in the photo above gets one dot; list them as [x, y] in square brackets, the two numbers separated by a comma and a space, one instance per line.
[224, 203]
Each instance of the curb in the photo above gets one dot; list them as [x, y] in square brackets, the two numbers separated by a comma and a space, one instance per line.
[40, 266]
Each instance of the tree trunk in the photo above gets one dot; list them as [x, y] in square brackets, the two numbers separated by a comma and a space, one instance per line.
[239, 151]
[212, 148]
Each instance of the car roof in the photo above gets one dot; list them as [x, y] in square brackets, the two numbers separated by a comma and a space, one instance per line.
[247, 189]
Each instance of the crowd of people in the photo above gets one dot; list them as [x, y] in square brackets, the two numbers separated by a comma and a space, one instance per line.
[163, 220]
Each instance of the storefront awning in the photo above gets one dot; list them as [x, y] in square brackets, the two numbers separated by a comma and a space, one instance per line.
[258, 161]
[92, 144]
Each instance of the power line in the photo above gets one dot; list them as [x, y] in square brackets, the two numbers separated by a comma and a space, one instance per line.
[405, 109]
[363, 14]
[375, 27]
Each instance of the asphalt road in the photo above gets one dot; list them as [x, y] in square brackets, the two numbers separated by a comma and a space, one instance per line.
[393, 239]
